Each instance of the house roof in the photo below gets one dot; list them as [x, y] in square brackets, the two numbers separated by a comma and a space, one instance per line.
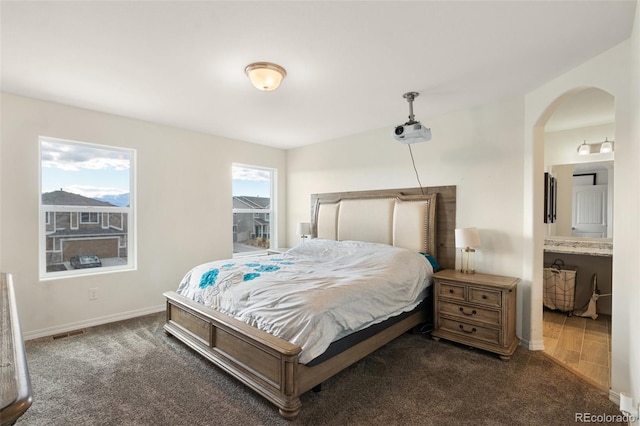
[258, 221]
[63, 198]
[242, 202]
[348, 62]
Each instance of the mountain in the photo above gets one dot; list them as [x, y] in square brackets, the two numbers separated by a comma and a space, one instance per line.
[120, 200]
[63, 198]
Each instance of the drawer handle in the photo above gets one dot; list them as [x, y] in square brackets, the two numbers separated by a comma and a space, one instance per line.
[473, 330]
[467, 313]
[484, 296]
[451, 291]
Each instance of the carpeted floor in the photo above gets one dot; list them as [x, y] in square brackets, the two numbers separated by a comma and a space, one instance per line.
[131, 373]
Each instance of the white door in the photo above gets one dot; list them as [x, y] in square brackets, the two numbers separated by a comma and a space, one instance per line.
[589, 211]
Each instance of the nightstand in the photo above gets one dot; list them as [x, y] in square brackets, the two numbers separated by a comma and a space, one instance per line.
[477, 310]
[276, 250]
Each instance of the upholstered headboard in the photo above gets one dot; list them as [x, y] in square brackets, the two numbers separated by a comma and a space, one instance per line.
[402, 218]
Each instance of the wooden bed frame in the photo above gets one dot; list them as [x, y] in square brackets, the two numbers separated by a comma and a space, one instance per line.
[268, 364]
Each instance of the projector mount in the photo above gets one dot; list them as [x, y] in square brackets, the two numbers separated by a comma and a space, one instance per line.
[410, 96]
[411, 131]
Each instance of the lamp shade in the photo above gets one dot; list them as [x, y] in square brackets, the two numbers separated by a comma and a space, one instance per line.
[467, 237]
[606, 147]
[584, 149]
[265, 76]
[304, 228]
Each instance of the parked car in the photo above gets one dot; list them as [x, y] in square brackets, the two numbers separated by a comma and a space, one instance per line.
[85, 261]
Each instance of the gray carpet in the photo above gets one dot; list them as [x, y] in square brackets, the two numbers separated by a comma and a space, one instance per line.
[131, 373]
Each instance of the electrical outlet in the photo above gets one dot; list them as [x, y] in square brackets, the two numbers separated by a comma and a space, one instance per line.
[93, 293]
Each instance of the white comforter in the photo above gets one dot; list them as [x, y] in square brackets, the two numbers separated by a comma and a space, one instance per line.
[315, 293]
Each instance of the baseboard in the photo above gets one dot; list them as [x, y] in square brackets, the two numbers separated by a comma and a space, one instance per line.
[614, 397]
[533, 345]
[64, 328]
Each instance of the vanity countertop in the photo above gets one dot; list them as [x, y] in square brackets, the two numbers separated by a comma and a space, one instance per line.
[585, 246]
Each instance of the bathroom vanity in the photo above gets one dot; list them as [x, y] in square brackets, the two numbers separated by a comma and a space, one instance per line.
[590, 256]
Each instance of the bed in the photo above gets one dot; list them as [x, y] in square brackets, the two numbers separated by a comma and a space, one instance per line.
[404, 222]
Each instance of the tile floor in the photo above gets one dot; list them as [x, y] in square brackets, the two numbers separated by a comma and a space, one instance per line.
[583, 345]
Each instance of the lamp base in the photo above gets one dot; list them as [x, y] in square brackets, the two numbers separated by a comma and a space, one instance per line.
[466, 260]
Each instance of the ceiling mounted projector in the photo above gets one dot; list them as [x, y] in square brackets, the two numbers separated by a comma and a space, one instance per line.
[411, 131]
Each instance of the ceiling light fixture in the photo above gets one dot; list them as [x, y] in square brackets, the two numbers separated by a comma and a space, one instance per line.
[265, 76]
[606, 146]
[584, 149]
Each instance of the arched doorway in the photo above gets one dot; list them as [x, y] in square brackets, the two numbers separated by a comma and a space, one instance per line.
[580, 343]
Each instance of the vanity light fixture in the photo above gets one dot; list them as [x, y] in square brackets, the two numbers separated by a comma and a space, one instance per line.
[584, 149]
[265, 76]
[606, 146]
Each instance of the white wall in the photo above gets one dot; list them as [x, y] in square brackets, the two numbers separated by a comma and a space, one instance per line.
[478, 150]
[614, 72]
[561, 147]
[184, 210]
[628, 325]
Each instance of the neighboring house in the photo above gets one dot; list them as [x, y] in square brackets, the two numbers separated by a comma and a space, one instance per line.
[249, 226]
[70, 233]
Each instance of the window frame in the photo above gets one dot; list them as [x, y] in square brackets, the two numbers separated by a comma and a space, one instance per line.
[48, 215]
[272, 211]
[89, 222]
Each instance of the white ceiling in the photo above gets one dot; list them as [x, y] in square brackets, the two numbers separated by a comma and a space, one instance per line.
[181, 63]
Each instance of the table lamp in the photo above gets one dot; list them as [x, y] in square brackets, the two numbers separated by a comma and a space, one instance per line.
[304, 230]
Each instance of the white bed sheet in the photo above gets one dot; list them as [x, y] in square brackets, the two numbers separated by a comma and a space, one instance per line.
[315, 293]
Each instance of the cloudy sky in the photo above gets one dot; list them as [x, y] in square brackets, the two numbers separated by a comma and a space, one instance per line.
[251, 182]
[88, 170]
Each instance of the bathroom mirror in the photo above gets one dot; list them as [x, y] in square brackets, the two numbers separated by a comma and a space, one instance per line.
[584, 204]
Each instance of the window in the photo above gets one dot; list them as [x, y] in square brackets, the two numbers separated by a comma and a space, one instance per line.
[254, 209]
[88, 217]
[86, 208]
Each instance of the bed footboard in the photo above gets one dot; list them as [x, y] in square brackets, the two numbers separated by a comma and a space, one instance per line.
[265, 363]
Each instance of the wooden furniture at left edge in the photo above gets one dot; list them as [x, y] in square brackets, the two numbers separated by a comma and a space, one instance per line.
[15, 385]
[269, 365]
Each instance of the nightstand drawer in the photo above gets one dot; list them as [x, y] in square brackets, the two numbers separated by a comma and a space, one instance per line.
[451, 291]
[477, 332]
[485, 297]
[486, 316]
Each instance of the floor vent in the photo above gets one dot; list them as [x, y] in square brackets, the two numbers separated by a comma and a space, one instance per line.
[69, 334]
